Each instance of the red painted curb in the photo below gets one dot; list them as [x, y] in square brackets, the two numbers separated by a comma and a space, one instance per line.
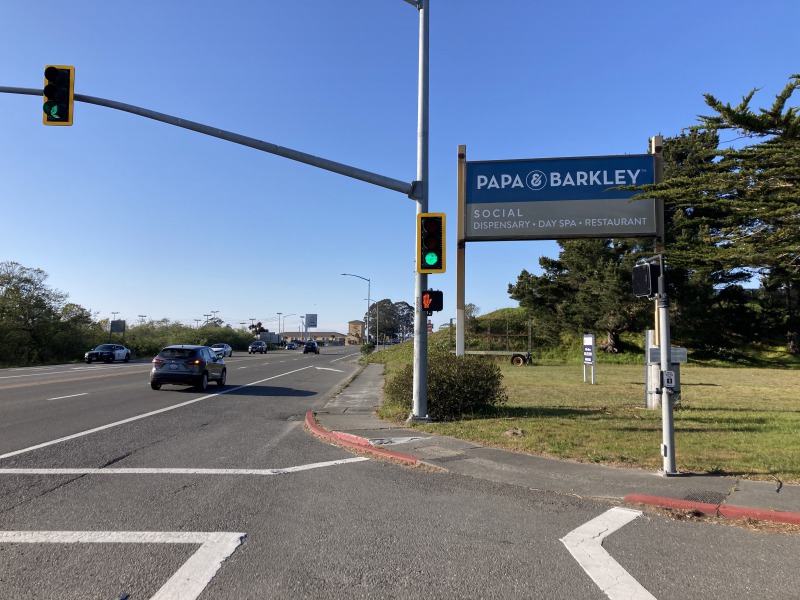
[353, 441]
[737, 512]
[703, 507]
[718, 510]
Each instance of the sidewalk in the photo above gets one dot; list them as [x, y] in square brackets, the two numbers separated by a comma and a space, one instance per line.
[348, 420]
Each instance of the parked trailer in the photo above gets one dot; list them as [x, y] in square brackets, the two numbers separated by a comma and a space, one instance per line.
[498, 338]
[517, 358]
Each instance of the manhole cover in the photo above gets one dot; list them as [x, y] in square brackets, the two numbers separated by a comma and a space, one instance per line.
[706, 497]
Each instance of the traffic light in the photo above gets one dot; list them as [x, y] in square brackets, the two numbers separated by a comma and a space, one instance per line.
[59, 92]
[432, 300]
[430, 243]
[645, 280]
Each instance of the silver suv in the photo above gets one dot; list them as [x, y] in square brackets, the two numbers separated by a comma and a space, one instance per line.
[188, 365]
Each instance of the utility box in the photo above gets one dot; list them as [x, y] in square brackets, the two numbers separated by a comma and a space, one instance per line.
[653, 373]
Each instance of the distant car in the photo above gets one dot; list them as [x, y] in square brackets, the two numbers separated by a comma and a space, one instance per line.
[311, 346]
[107, 353]
[188, 365]
[257, 347]
[222, 349]
[291, 346]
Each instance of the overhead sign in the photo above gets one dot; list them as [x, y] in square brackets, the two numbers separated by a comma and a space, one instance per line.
[555, 198]
[311, 320]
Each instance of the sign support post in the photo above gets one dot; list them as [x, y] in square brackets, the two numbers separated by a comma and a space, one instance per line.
[461, 234]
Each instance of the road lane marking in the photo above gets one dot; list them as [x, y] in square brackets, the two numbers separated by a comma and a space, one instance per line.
[145, 415]
[187, 583]
[71, 396]
[328, 369]
[586, 545]
[344, 357]
[175, 471]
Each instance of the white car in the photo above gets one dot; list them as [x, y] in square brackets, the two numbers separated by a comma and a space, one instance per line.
[222, 350]
[107, 353]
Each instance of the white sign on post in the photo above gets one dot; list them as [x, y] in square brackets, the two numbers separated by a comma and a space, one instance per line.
[588, 354]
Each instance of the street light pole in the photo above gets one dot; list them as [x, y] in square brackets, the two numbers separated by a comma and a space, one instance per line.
[284, 320]
[366, 340]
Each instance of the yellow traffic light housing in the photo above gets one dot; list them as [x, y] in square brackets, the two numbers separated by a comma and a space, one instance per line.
[430, 243]
[59, 94]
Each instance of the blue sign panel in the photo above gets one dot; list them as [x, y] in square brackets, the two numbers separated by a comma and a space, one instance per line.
[554, 198]
[551, 179]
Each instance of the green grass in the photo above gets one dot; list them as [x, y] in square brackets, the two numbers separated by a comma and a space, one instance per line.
[733, 421]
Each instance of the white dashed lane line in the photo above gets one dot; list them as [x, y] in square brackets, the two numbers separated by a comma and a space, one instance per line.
[65, 397]
[226, 390]
[180, 471]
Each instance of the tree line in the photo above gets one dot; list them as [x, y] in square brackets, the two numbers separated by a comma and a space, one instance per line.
[732, 217]
[38, 325]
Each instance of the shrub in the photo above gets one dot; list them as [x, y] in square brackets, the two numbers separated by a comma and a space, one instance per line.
[367, 349]
[458, 386]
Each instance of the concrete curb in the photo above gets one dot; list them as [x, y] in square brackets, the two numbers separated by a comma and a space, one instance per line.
[353, 441]
[717, 510]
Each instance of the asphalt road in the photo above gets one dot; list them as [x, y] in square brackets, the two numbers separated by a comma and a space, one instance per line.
[109, 489]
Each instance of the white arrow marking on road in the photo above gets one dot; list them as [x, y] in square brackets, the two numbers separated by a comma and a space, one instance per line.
[187, 583]
[586, 545]
[176, 471]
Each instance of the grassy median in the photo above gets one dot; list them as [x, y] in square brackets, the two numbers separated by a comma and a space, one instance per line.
[741, 422]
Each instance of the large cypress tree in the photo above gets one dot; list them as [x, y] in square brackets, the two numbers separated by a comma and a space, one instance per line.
[734, 212]
[588, 288]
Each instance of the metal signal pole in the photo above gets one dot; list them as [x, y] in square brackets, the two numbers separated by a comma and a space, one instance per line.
[419, 411]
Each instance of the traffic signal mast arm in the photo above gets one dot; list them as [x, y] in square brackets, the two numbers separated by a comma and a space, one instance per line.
[412, 189]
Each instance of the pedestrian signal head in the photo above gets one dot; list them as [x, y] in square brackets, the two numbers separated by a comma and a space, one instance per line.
[432, 300]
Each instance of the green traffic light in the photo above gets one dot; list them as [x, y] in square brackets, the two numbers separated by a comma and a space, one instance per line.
[59, 94]
[431, 258]
[51, 109]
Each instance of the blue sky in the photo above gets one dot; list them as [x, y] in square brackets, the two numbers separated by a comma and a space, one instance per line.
[137, 217]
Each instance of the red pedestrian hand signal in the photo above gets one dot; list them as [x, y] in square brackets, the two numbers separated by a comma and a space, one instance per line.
[432, 301]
